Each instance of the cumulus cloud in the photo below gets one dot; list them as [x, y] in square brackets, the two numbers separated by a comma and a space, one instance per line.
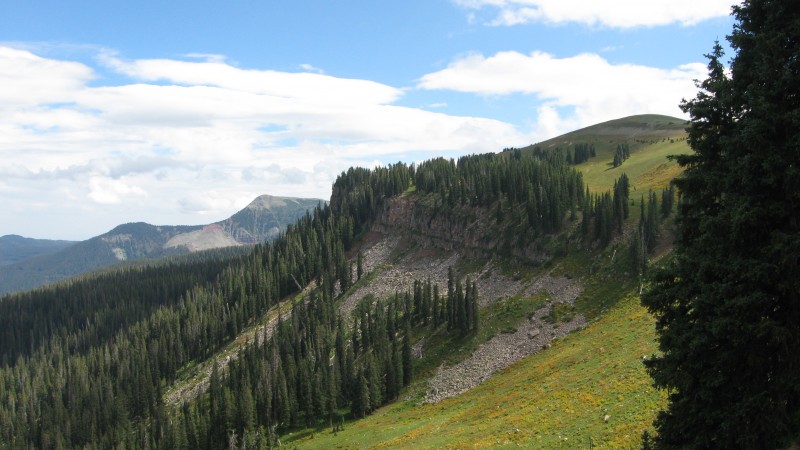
[189, 136]
[310, 68]
[111, 191]
[607, 13]
[207, 202]
[28, 80]
[312, 88]
[588, 86]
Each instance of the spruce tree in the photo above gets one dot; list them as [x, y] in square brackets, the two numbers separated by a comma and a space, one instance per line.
[728, 305]
[469, 305]
[461, 309]
[406, 354]
[361, 401]
[359, 265]
[475, 308]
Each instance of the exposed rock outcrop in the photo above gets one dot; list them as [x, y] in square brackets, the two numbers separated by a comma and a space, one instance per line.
[472, 231]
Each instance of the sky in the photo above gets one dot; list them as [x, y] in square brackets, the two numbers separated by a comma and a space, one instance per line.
[182, 112]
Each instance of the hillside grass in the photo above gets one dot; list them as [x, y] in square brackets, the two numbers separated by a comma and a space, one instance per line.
[641, 128]
[647, 168]
[651, 137]
[559, 397]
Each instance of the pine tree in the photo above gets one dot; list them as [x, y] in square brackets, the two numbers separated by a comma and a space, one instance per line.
[438, 306]
[426, 301]
[361, 400]
[360, 265]
[216, 399]
[475, 308]
[728, 305]
[469, 305]
[246, 408]
[451, 295]
[407, 361]
[461, 310]
[374, 381]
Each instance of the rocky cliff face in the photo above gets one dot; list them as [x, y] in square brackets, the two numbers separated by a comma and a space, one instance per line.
[470, 230]
[265, 217]
[136, 240]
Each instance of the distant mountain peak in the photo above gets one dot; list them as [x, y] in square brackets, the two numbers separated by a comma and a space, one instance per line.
[267, 201]
[263, 219]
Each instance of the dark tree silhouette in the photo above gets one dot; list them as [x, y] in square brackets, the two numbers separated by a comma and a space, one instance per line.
[728, 305]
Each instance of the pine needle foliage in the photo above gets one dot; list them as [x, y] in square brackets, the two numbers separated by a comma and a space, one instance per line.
[728, 305]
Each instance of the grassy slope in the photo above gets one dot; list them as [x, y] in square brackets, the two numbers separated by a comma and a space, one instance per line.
[651, 139]
[606, 135]
[558, 397]
[647, 168]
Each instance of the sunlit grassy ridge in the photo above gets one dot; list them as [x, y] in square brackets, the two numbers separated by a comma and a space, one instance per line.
[643, 127]
[652, 138]
[559, 397]
[647, 168]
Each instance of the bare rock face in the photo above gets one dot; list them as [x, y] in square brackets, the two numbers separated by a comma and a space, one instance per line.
[265, 217]
[470, 231]
[210, 236]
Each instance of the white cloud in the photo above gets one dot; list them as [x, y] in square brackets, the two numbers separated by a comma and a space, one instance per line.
[312, 88]
[607, 13]
[593, 88]
[111, 191]
[27, 79]
[182, 131]
[550, 123]
[209, 57]
[208, 202]
[310, 68]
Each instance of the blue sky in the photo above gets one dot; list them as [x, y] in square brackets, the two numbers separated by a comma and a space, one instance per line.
[181, 112]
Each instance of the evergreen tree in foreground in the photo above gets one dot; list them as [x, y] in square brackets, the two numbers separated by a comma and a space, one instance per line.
[728, 305]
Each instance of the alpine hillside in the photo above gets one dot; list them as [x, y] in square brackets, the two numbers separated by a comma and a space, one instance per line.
[484, 301]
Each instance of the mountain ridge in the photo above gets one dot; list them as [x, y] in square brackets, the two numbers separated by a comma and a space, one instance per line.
[262, 219]
[15, 248]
